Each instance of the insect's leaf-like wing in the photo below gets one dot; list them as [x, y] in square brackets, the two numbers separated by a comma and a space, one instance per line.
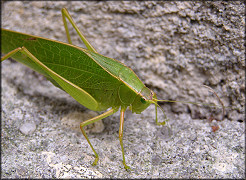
[49, 60]
[118, 70]
[75, 91]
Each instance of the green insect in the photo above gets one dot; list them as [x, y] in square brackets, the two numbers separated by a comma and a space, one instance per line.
[95, 81]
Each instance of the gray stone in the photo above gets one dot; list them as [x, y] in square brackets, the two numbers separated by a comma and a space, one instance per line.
[174, 48]
[28, 128]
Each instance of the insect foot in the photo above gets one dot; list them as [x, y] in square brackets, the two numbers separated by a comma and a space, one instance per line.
[95, 161]
[127, 167]
[162, 123]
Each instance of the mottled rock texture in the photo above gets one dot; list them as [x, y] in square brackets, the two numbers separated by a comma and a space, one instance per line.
[174, 48]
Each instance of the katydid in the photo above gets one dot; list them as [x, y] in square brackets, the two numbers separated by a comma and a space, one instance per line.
[95, 81]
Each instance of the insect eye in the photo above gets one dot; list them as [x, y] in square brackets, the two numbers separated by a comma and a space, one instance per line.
[143, 100]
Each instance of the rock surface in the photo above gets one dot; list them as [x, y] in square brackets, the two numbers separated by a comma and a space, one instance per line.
[174, 47]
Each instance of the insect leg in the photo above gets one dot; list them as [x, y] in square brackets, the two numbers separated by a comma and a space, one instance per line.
[122, 111]
[11, 53]
[156, 118]
[92, 120]
[65, 14]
